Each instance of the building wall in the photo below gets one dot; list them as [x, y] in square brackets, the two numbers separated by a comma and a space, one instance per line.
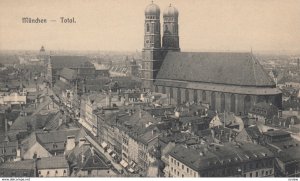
[36, 149]
[178, 169]
[253, 168]
[222, 101]
[59, 172]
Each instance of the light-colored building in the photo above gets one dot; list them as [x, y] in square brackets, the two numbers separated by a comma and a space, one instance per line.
[243, 160]
[53, 167]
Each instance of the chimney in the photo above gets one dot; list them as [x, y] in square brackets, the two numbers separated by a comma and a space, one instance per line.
[92, 151]
[18, 157]
[60, 121]
[70, 143]
[82, 158]
[81, 141]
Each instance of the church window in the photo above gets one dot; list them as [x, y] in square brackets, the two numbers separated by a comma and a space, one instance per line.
[222, 102]
[187, 95]
[175, 28]
[171, 92]
[213, 101]
[195, 96]
[232, 103]
[163, 89]
[157, 27]
[247, 103]
[204, 96]
[148, 27]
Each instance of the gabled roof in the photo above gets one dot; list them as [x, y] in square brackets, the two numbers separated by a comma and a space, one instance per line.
[241, 69]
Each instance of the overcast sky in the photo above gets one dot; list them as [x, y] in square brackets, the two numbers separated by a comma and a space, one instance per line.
[204, 25]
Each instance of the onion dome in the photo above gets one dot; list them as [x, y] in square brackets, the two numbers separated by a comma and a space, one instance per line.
[152, 9]
[170, 11]
[42, 49]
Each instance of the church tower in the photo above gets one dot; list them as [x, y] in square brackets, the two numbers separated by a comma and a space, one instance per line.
[170, 29]
[152, 46]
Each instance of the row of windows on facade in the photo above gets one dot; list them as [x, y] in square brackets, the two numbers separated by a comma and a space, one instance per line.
[152, 17]
[56, 172]
[229, 172]
[13, 150]
[13, 174]
[263, 173]
[157, 28]
[250, 166]
[247, 98]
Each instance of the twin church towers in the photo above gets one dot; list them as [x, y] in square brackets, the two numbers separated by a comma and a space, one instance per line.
[155, 46]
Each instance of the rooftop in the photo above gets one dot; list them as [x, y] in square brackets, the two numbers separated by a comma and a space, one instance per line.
[54, 162]
[241, 69]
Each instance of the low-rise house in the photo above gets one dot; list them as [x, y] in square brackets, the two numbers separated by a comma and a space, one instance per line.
[87, 162]
[263, 112]
[9, 151]
[286, 150]
[56, 166]
[23, 168]
[47, 144]
[250, 134]
[13, 99]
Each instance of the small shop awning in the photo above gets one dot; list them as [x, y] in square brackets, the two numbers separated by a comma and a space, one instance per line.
[124, 163]
[109, 150]
[130, 170]
[103, 144]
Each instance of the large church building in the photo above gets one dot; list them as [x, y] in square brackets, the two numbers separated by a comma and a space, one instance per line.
[227, 81]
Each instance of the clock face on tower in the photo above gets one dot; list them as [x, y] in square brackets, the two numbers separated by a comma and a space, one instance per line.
[147, 43]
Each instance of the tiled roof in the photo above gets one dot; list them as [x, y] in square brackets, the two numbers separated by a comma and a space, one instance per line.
[59, 62]
[215, 67]
[226, 155]
[68, 74]
[36, 121]
[18, 165]
[253, 132]
[48, 139]
[54, 162]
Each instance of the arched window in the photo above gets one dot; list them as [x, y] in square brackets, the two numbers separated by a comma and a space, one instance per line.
[222, 102]
[195, 96]
[171, 92]
[187, 95]
[203, 96]
[232, 103]
[178, 96]
[163, 89]
[213, 101]
[157, 27]
[247, 104]
[156, 88]
[147, 27]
